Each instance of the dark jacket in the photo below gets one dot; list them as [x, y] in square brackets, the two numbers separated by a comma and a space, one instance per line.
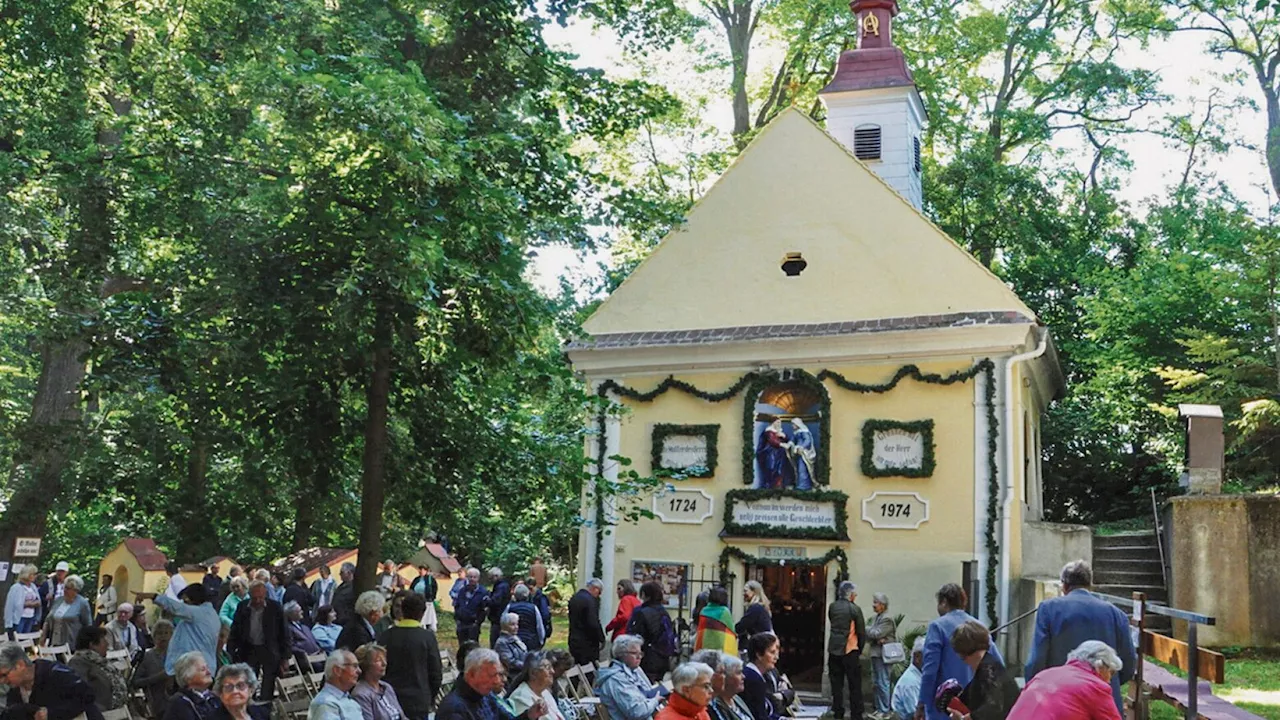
[991, 693]
[646, 621]
[463, 703]
[59, 689]
[426, 586]
[152, 679]
[413, 667]
[499, 596]
[755, 691]
[275, 631]
[1062, 623]
[755, 619]
[586, 636]
[544, 606]
[212, 585]
[468, 608]
[841, 613]
[530, 616]
[190, 705]
[344, 603]
[297, 592]
[353, 635]
[256, 712]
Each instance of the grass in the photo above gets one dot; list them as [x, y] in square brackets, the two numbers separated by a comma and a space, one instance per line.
[447, 633]
[1253, 684]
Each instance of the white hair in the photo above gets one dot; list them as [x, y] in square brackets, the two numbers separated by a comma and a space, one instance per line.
[689, 674]
[918, 645]
[336, 660]
[713, 659]
[880, 598]
[596, 583]
[732, 664]
[74, 582]
[510, 620]
[27, 572]
[1098, 654]
[521, 592]
[369, 602]
[480, 657]
[185, 666]
[11, 655]
[623, 644]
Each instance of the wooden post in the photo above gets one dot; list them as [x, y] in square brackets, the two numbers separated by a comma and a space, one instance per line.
[1139, 619]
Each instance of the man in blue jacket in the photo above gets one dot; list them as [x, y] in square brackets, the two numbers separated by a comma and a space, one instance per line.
[1063, 623]
[941, 663]
[469, 607]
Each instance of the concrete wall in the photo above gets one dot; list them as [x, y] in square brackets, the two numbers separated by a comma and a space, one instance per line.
[1225, 556]
[1029, 592]
[1046, 547]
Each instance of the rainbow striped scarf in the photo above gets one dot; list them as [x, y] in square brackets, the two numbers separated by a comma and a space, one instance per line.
[715, 630]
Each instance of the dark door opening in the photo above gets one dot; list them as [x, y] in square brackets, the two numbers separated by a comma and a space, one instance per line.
[797, 596]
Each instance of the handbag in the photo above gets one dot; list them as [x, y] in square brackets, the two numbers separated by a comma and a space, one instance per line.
[893, 653]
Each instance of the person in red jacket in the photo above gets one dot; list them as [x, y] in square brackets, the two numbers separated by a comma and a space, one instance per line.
[627, 601]
[1079, 690]
[692, 692]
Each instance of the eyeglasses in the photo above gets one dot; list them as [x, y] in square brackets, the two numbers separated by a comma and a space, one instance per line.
[237, 686]
[707, 686]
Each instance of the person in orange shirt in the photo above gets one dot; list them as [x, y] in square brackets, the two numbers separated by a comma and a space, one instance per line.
[691, 693]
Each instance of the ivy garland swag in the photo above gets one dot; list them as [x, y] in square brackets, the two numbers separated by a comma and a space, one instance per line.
[662, 431]
[927, 462]
[984, 367]
[835, 497]
[834, 553]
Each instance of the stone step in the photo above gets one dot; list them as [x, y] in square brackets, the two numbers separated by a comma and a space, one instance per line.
[1128, 539]
[1155, 593]
[1125, 577]
[1126, 552]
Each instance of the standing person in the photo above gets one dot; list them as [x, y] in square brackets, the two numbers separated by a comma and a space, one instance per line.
[715, 624]
[177, 583]
[150, 675]
[1064, 623]
[425, 584]
[225, 589]
[260, 637]
[651, 622]
[992, 691]
[377, 698]
[22, 608]
[360, 630]
[333, 702]
[499, 596]
[1079, 690]
[387, 580]
[538, 572]
[627, 602]
[763, 650]
[193, 701]
[756, 617]
[239, 591]
[883, 630]
[586, 637]
[844, 650]
[322, 589]
[107, 602]
[297, 592]
[44, 685]
[212, 583]
[941, 662]
[907, 690]
[121, 634]
[51, 588]
[344, 596]
[234, 686]
[67, 614]
[197, 630]
[540, 600]
[413, 659]
[531, 631]
[275, 587]
[468, 607]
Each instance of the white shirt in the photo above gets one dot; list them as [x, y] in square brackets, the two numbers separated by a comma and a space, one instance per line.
[177, 584]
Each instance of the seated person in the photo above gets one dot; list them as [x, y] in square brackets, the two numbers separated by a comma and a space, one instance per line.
[623, 688]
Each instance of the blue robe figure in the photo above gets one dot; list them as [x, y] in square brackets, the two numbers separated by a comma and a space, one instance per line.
[801, 454]
[771, 458]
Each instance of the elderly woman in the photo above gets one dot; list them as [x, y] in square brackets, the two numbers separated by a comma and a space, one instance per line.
[326, 631]
[511, 649]
[881, 631]
[22, 605]
[234, 686]
[44, 684]
[1079, 690]
[301, 639]
[360, 630]
[377, 699]
[763, 650]
[692, 692]
[90, 663]
[992, 692]
[193, 701]
[239, 591]
[68, 614]
[729, 704]
[535, 684]
[624, 690]
[150, 676]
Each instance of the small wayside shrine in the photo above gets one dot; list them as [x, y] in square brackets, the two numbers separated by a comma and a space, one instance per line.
[830, 386]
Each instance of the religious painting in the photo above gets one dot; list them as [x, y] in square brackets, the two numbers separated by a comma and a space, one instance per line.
[787, 424]
[671, 576]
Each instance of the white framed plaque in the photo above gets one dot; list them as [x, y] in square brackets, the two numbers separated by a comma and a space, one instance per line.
[682, 506]
[895, 510]
[26, 547]
[893, 448]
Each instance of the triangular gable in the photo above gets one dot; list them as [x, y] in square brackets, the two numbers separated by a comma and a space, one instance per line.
[871, 255]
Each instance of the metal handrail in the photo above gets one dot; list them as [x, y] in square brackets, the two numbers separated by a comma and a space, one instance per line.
[1155, 516]
[1158, 609]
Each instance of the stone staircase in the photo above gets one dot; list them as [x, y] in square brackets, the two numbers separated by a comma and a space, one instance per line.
[1129, 562]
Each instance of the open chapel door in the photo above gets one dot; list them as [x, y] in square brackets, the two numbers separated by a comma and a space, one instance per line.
[797, 598]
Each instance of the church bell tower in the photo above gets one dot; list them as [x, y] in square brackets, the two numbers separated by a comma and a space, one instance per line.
[873, 107]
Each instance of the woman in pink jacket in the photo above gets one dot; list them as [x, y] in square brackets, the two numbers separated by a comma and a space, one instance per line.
[1079, 690]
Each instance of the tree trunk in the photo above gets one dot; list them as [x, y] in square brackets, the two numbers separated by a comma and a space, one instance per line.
[1273, 137]
[739, 26]
[314, 463]
[373, 475]
[197, 539]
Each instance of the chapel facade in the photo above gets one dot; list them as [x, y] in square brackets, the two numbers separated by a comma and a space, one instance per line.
[827, 386]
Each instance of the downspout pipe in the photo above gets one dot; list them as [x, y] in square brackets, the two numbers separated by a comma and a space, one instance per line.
[1006, 510]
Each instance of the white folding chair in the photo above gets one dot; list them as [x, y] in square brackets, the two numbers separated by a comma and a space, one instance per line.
[293, 687]
[59, 653]
[117, 714]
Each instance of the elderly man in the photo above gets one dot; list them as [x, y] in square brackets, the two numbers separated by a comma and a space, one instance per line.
[333, 702]
[532, 631]
[905, 693]
[51, 588]
[344, 597]
[121, 634]
[473, 698]
[360, 630]
[260, 637]
[44, 686]
[1063, 623]
[586, 635]
[469, 607]
[692, 691]
[844, 650]
[623, 688]
[301, 640]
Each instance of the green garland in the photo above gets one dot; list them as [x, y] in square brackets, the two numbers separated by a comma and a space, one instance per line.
[821, 463]
[984, 366]
[835, 497]
[927, 463]
[662, 431]
[834, 553]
